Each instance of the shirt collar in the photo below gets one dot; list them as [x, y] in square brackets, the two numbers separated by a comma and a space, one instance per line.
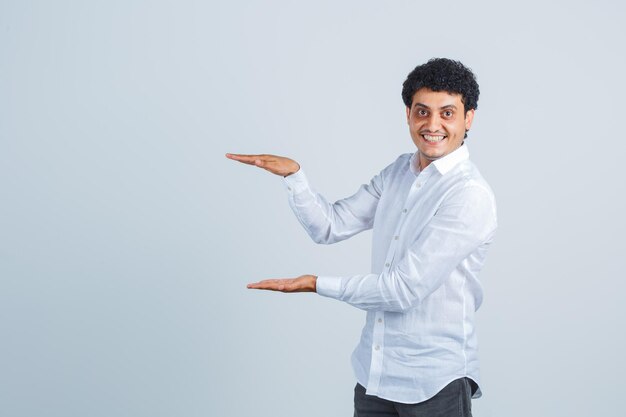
[445, 164]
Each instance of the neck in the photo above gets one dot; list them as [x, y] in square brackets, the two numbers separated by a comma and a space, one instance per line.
[423, 162]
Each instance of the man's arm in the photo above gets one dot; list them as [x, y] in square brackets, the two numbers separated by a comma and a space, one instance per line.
[465, 222]
[461, 225]
[324, 222]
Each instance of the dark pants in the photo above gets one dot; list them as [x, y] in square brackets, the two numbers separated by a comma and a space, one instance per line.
[454, 400]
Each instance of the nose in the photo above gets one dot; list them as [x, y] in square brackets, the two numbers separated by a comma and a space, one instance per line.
[433, 123]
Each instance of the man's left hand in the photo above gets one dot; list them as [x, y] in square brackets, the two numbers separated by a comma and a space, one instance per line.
[304, 283]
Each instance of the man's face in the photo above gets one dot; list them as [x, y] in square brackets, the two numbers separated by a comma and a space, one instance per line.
[437, 122]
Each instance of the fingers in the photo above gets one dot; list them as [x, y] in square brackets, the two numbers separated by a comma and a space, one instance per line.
[304, 283]
[284, 285]
[240, 156]
[246, 159]
[270, 284]
[267, 162]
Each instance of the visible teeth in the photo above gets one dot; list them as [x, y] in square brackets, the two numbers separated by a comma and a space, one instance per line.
[431, 138]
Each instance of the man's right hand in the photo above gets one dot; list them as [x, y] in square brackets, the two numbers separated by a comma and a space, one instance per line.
[278, 165]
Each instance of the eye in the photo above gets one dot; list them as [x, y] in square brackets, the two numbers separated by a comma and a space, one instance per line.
[448, 114]
[422, 112]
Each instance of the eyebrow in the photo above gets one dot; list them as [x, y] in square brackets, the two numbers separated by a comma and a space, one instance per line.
[447, 106]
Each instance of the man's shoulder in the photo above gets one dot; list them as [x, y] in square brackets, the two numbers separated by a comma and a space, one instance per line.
[471, 175]
[467, 179]
[401, 160]
[392, 171]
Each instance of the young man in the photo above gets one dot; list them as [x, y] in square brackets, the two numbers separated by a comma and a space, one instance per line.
[433, 218]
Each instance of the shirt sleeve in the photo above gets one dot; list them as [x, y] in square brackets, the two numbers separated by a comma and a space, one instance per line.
[333, 222]
[464, 222]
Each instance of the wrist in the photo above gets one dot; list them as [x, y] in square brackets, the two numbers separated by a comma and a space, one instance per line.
[293, 171]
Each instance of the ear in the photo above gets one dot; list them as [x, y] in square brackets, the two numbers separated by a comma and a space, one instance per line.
[469, 117]
[408, 115]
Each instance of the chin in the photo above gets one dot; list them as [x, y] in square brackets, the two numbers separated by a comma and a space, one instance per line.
[432, 156]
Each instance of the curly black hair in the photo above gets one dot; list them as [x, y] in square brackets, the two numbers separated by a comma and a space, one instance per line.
[442, 74]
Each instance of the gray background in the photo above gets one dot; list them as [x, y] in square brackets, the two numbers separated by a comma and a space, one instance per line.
[126, 237]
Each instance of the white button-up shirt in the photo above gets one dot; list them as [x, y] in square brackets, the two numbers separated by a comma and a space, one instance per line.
[431, 232]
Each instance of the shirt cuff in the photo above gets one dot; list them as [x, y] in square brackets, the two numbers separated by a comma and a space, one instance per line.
[328, 286]
[296, 182]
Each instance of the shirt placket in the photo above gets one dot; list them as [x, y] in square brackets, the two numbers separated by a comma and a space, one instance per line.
[378, 334]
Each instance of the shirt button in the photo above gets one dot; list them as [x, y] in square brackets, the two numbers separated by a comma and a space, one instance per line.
[380, 320]
[289, 188]
[376, 347]
[404, 211]
[396, 237]
[387, 264]
[418, 184]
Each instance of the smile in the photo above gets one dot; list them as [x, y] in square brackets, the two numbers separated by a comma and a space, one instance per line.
[434, 138]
